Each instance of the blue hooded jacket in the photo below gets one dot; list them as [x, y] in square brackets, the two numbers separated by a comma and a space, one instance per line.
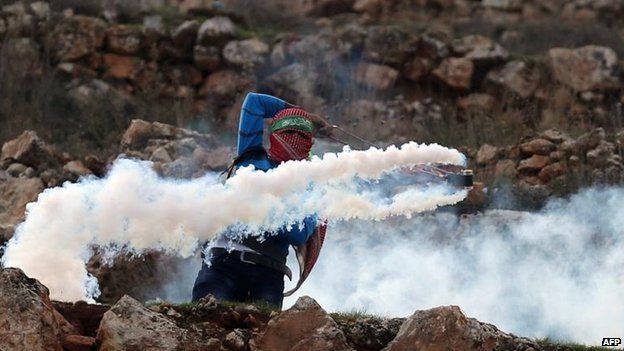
[255, 109]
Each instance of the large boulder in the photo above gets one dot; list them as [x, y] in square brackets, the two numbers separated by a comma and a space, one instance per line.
[28, 321]
[76, 37]
[214, 31]
[370, 333]
[129, 325]
[516, 77]
[124, 39]
[380, 77]
[455, 72]
[479, 49]
[122, 67]
[29, 150]
[447, 328]
[586, 68]
[303, 327]
[15, 193]
[184, 35]
[245, 53]
[224, 85]
[207, 58]
[296, 83]
[140, 132]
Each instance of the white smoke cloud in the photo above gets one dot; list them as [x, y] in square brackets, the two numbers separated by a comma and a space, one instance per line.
[135, 209]
[556, 273]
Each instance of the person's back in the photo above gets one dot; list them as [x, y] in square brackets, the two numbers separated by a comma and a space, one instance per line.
[252, 269]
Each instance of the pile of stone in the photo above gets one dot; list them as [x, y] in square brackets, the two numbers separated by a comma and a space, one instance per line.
[28, 164]
[348, 64]
[553, 162]
[32, 322]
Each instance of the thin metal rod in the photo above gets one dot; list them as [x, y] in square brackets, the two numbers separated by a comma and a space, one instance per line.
[354, 136]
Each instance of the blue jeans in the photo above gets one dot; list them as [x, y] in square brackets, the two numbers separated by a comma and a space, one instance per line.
[228, 278]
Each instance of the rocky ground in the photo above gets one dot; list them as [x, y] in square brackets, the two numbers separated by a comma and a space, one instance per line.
[530, 91]
[32, 322]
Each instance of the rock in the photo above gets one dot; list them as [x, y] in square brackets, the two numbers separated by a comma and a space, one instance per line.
[245, 53]
[505, 169]
[479, 48]
[417, 68]
[389, 45]
[477, 102]
[601, 155]
[447, 328]
[122, 67]
[78, 343]
[586, 68]
[124, 40]
[15, 169]
[15, 193]
[486, 154]
[516, 77]
[371, 7]
[28, 322]
[153, 26]
[141, 132]
[537, 146]
[129, 325]
[591, 139]
[40, 9]
[183, 75]
[305, 326]
[28, 149]
[235, 341]
[371, 333]
[160, 155]
[181, 168]
[215, 30]
[533, 163]
[137, 134]
[297, 83]
[215, 160]
[551, 172]
[455, 72]
[375, 76]
[555, 136]
[185, 34]
[224, 84]
[95, 165]
[50, 177]
[76, 37]
[207, 58]
[77, 168]
[433, 48]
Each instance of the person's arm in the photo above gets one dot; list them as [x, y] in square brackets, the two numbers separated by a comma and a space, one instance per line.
[254, 110]
[299, 234]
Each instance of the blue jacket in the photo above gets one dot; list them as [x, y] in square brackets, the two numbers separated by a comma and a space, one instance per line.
[256, 108]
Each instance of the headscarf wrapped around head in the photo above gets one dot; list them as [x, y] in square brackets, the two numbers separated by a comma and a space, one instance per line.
[291, 135]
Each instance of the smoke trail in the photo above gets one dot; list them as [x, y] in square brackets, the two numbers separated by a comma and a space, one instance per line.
[556, 273]
[135, 209]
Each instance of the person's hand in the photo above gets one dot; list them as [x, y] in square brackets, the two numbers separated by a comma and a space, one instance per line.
[322, 125]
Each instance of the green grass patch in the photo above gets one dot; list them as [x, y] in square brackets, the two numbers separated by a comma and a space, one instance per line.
[353, 315]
